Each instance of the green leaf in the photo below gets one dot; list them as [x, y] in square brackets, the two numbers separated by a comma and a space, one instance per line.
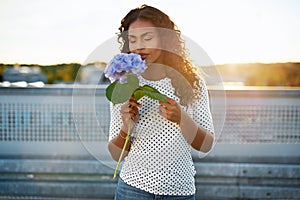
[110, 89]
[119, 93]
[138, 94]
[149, 88]
[156, 96]
[150, 92]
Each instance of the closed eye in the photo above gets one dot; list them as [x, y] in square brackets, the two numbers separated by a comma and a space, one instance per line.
[148, 38]
[132, 39]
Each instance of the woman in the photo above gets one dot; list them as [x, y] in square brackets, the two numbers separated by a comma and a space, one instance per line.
[158, 161]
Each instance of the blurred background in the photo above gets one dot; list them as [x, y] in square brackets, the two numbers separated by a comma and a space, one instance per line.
[251, 42]
[54, 116]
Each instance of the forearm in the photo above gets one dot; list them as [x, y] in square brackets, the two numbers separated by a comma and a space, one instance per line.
[115, 146]
[199, 138]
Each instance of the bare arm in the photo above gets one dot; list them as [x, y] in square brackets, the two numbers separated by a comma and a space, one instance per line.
[115, 146]
[199, 138]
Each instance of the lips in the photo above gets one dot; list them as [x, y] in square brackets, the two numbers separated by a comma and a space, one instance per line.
[143, 55]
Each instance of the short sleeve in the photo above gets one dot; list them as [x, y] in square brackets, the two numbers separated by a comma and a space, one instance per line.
[201, 109]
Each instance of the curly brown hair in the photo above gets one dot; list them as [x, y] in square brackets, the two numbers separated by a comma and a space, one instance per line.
[173, 50]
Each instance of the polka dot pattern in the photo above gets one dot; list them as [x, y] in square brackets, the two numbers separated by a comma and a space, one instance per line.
[160, 159]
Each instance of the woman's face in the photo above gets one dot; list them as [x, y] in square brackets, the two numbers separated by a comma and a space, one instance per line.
[144, 40]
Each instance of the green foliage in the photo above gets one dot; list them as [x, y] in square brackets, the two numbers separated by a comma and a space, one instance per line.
[54, 73]
[61, 72]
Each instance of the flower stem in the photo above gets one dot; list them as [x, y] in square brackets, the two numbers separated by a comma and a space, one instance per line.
[124, 147]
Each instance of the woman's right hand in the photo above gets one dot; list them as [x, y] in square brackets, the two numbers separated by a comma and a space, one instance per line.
[129, 110]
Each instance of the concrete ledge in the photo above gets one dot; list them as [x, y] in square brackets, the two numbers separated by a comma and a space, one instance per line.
[62, 189]
[90, 179]
[252, 153]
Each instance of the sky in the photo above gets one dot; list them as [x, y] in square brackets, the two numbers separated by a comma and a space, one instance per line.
[230, 31]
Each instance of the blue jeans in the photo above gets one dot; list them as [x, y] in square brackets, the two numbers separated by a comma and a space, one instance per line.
[127, 192]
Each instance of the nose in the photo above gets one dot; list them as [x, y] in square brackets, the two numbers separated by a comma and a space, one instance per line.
[137, 45]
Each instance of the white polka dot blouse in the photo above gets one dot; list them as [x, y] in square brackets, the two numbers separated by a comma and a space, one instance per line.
[159, 160]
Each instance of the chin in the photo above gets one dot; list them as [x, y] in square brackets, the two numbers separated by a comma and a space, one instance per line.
[148, 62]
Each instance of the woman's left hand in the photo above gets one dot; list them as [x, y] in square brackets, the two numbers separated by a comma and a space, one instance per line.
[170, 110]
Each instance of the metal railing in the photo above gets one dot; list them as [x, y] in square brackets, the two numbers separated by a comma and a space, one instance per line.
[66, 115]
[48, 114]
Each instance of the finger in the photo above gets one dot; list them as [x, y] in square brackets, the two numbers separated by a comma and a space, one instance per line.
[171, 101]
[168, 106]
[161, 108]
[164, 104]
[162, 111]
[132, 99]
[134, 103]
[132, 109]
[127, 115]
[129, 111]
[134, 116]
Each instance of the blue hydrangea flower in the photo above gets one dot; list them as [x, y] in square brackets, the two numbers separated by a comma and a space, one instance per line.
[123, 64]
